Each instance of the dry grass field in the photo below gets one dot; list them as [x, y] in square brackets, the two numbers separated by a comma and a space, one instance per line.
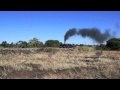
[59, 63]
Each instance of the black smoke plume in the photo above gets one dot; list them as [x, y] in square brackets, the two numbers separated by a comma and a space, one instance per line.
[94, 34]
[69, 33]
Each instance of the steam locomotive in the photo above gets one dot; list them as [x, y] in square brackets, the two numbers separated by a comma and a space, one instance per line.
[69, 45]
[73, 45]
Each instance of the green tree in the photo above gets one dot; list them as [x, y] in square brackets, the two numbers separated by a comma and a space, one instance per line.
[40, 45]
[52, 43]
[22, 44]
[34, 43]
[4, 44]
[113, 44]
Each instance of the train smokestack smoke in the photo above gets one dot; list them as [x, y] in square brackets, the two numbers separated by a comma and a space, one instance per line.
[70, 33]
[94, 34]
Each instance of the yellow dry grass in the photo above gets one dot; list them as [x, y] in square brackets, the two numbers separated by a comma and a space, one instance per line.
[106, 62]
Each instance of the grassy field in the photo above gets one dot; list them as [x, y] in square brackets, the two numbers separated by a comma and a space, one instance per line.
[59, 63]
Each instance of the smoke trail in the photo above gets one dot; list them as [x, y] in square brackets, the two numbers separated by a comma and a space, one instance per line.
[69, 33]
[94, 34]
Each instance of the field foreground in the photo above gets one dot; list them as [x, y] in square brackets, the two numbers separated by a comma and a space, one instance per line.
[59, 63]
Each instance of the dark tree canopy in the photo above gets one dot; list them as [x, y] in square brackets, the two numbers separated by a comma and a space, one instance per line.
[4, 44]
[52, 43]
[114, 44]
[22, 44]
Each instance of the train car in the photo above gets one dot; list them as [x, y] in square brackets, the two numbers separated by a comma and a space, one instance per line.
[67, 45]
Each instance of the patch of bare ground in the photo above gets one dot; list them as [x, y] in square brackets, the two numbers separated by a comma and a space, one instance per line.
[50, 63]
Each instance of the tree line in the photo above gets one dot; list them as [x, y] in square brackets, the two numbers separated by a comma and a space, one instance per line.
[33, 43]
[111, 44]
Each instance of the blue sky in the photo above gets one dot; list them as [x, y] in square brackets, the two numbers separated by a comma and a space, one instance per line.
[47, 25]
